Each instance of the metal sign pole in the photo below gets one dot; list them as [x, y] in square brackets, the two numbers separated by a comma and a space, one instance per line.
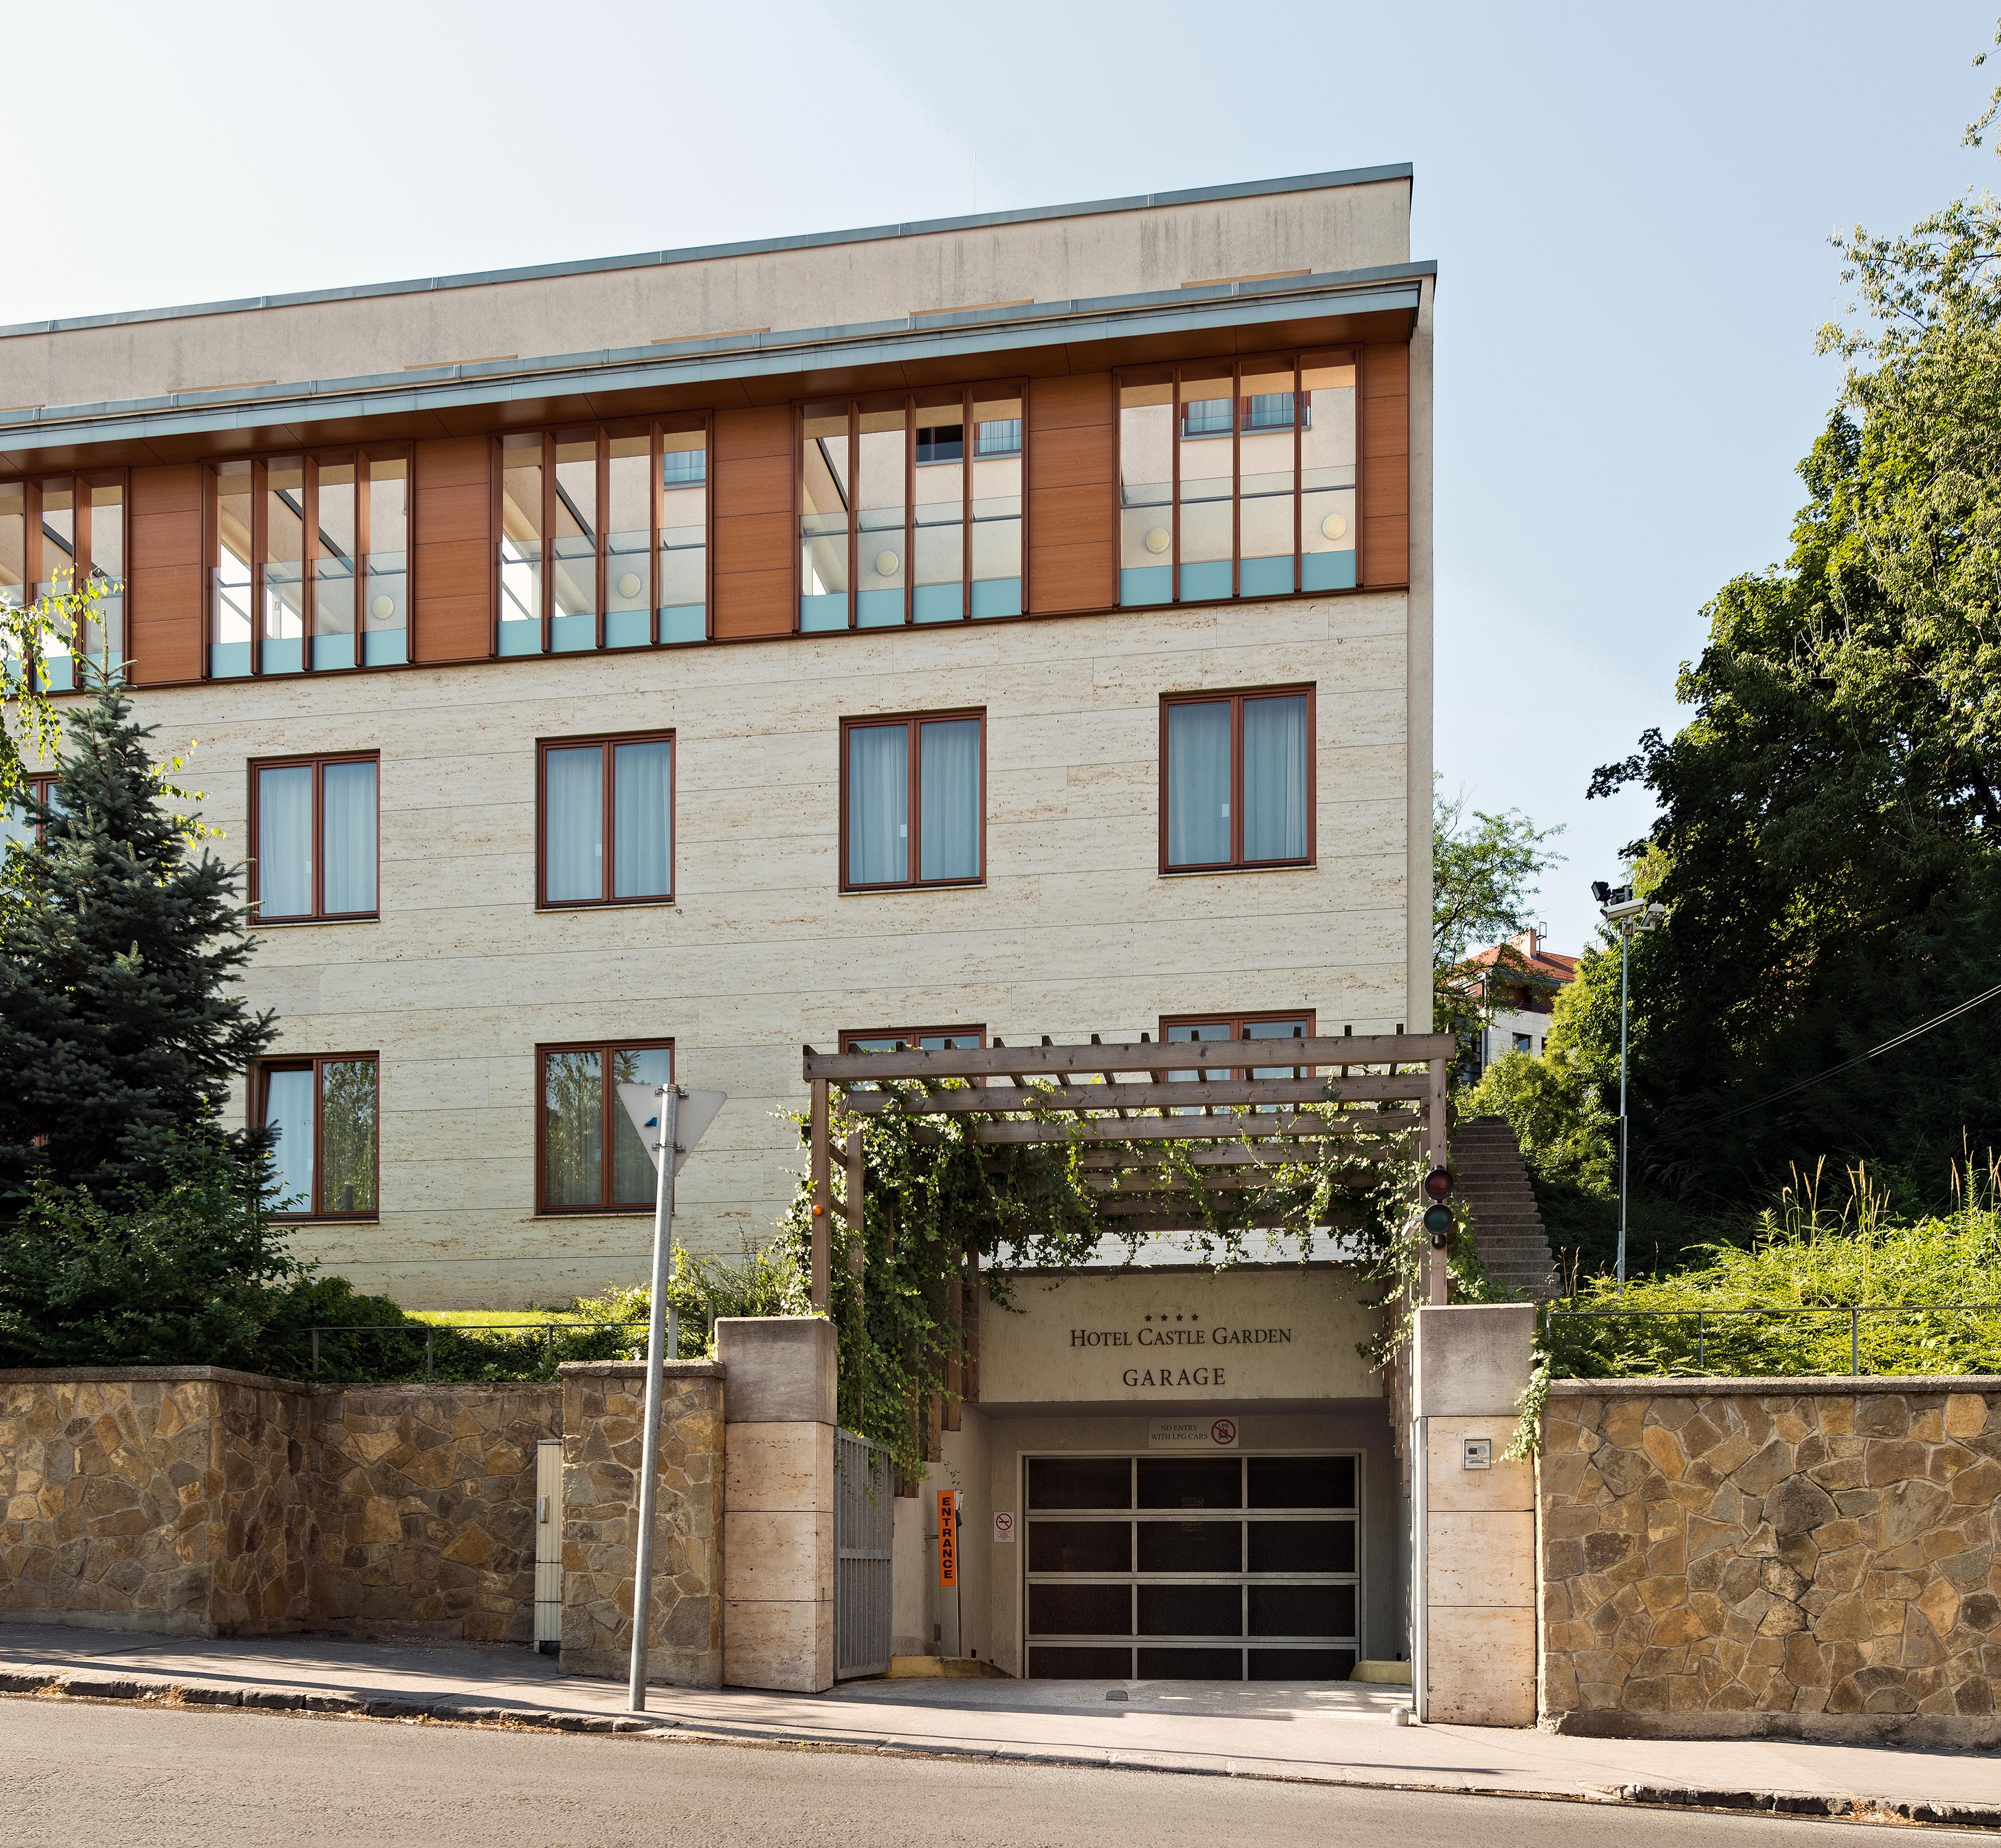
[650, 1449]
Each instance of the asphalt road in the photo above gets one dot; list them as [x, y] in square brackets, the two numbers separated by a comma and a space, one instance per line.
[72, 1773]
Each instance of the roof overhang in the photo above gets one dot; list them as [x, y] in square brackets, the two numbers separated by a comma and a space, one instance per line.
[1039, 338]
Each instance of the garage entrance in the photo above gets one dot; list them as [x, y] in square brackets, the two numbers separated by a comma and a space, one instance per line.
[1200, 1568]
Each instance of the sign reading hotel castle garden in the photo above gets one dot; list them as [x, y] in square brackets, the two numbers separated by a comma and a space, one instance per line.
[1167, 1371]
[1238, 1335]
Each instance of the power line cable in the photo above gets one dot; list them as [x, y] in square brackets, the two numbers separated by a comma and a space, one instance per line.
[1889, 1045]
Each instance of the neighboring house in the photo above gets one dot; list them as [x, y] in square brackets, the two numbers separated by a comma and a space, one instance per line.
[1012, 625]
[1515, 989]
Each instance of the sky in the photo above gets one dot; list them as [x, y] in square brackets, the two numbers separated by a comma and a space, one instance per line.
[1630, 208]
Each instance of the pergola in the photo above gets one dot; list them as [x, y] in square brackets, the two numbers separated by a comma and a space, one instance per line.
[1389, 1087]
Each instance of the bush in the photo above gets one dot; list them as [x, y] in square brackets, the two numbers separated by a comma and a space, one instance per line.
[186, 1274]
[1802, 1257]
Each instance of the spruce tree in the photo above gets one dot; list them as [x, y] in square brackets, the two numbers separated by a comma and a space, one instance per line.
[119, 1033]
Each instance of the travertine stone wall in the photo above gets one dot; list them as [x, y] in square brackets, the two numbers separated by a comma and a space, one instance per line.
[425, 1503]
[203, 1501]
[173, 1500]
[603, 1425]
[1814, 1558]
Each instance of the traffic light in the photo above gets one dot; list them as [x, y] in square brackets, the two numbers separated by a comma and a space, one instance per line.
[1438, 1220]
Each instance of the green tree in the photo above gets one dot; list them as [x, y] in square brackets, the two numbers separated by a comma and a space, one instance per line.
[1829, 815]
[1484, 866]
[119, 1031]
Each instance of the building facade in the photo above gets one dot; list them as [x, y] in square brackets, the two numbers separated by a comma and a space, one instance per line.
[1515, 987]
[1009, 625]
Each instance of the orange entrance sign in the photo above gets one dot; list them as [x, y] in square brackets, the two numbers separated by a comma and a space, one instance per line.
[948, 1511]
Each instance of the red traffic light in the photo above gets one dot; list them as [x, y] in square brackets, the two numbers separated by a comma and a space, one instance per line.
[1438, 1183]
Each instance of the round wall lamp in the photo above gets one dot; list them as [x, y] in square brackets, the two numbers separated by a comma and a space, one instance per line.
[382, 609]
[628, 586]
[1156, 540]
[887, 563]
[1334, 526]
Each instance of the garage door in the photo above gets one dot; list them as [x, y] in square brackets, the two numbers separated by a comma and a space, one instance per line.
[1229, 1568]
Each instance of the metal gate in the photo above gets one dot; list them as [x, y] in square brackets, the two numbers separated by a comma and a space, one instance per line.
[864, 1501]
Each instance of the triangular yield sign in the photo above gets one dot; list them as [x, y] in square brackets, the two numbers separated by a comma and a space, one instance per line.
[694, 1111]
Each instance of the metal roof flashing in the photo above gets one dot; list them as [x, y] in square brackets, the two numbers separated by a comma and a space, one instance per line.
[1302, 183]
[1387, 288]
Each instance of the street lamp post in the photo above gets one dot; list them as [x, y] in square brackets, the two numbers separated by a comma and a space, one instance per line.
[1617, 905]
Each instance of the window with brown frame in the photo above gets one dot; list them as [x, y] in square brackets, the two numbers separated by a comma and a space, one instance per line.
[912, 800]
[308, 558]
[603, 536]
[59, 533]
[606, 832]
[916, 1039]
[589, 1158]
[17, 823]
[313, 821]
[1297, 1025]
[901, 520]
[1236, 478]
[1237, 780]
[320, 1114]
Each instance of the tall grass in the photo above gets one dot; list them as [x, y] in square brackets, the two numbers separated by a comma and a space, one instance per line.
[1820, 1248]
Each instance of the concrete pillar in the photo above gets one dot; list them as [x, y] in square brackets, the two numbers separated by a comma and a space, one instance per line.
[778, 1544]
[1475, 1608]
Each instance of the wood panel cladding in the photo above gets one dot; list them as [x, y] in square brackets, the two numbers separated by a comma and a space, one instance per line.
[163, 584]
[1072, 494]
[1384, 445]
[452, 613]
[753, 466]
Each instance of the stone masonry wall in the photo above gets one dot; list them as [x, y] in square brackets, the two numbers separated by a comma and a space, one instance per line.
[172, 1502]
[201, 1501]
[425, 1500]
[1804, 1558]
[604, 1424]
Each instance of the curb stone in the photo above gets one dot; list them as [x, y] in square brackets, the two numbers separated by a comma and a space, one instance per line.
[29, 1683]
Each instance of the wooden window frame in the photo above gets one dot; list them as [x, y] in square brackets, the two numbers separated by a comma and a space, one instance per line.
[655, 429]
[855, 404]
[605, 741]
[1297, 358]
[849, 1035]
[610, 1105]
[1237, 1023]
[316, 1063]
[38, 786]
[317, 763]
[914, 771]
[34, 570]
[312, 458]
[1236, 697]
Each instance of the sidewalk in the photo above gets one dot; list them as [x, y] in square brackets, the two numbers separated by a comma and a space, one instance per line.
[1339, 1735]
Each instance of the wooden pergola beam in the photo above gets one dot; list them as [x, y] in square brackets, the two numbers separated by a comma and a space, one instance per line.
[999, 1100]
[1303, 1129]
[1018, 1062]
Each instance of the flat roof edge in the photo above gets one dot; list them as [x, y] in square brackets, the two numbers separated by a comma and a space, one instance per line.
[629, 368]
[1302, 183]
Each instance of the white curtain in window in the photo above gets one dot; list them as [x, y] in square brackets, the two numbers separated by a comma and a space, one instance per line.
[879, 808]
[575, 823]
[347, 819]
[948, 807]
[284, 841]
[1275, 778]
[1199, 784]
[288, 1111]
[642, 821]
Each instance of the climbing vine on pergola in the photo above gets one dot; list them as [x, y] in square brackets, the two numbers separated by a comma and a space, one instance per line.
[932, 1173]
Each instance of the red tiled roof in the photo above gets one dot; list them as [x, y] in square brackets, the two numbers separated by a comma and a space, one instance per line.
[1545, 963]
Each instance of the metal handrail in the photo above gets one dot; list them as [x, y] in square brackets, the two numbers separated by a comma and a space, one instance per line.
[431, 1328]
[1854, 1311]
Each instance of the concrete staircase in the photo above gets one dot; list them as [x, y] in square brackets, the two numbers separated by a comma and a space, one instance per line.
[1506, 1226]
